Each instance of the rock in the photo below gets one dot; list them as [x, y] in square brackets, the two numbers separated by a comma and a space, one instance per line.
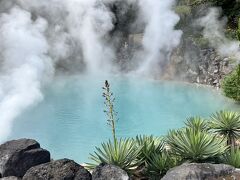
[109, 172]
[216, 71]
[125, 14]
[10, 178]
[212, 56]
[215, 63]
[215, 82]
[63, 169]
[17, 156]
[198, 79]
[200, 65]
[225, 61]
[195, 171]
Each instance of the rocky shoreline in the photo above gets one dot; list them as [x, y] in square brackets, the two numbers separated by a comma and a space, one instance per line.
[189, 62]
[201, 66]
[24, 159]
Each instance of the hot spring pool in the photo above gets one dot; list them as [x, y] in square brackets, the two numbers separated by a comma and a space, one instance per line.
[70, 120]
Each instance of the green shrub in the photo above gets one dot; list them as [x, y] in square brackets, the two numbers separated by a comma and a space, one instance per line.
[238, 30]
[122, 153]
[200, 41]
[231, 85]
[195, 145]
[231, 34]
[183, 10]
[227, 124]
[232, 157]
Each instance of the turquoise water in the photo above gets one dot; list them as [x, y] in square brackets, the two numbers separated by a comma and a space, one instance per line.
[70, 120]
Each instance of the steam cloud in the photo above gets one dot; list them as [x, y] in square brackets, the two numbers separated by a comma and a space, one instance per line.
[24, 64]
[160, 36]
[39, 38]
[214, 32]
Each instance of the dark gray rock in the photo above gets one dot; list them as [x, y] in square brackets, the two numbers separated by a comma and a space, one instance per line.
[195, 171]
[63, 169]
[109, 172]
[125, 14]
[17, 156]
[10, 178]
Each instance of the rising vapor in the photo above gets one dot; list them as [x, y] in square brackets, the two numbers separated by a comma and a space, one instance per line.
[25, 64]
[40, 38]
[213, 30]
[160, 36]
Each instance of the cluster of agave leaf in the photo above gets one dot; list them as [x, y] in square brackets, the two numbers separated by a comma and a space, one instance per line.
[201, 140]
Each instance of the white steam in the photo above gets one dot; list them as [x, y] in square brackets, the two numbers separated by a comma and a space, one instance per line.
[214, 32]
[77, 31]
[24, 64]
[160, 36]
[39, 37]
[96, 23]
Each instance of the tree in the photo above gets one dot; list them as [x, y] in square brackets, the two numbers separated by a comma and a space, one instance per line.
[231, 84]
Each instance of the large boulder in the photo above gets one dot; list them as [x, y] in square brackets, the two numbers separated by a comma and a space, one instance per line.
[17, 156]
[63, 169]
[109, 172]
[196, 171]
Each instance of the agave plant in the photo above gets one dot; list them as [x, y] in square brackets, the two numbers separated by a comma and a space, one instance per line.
[195, 145]
[122, 153]
[148, 145]
[232, 157]
[197, 123]
[159, 164]
[227, 124]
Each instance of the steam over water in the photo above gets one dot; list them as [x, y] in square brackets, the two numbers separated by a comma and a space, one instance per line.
[56, 54]
[40, 39]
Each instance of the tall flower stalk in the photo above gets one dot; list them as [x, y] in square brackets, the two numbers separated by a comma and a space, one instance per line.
[121, 152]
[110, 112]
